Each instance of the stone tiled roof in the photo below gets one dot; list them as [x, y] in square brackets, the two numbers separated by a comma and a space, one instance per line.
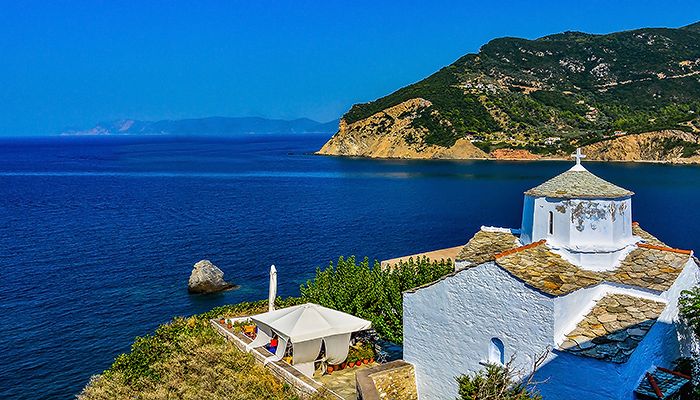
[653, 267]
[485, 245]
[613, 328]
[662, 383]
[578, 185]
[648, 237]
[542, 269]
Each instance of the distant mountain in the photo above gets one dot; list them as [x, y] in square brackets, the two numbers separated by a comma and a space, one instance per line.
[212, 126]
[531, 98]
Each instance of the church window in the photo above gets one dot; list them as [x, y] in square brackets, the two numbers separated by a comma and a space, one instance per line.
[497, 352]
[551, 223]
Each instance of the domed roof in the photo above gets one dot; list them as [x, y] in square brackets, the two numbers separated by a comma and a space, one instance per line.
[578, 183]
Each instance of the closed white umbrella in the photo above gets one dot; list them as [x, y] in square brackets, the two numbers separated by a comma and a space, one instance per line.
[273, 289]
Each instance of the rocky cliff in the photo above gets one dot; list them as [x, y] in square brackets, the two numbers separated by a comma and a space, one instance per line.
[399, 138]
[663, 146]
[519, 98]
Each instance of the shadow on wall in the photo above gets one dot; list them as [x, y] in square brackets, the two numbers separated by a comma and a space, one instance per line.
[609, 366]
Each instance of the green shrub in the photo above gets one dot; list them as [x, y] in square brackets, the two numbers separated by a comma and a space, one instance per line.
[494, 382]
[372, 292]
[689, 304]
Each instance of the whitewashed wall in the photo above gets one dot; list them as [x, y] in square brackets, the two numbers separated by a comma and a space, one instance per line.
[448, 326]
[590, 233]
[579, 222]
[566, 376]
[526, 227]
[665, 341]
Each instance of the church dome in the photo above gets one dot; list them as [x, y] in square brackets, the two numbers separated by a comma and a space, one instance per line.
[586, 219]
[578, 184]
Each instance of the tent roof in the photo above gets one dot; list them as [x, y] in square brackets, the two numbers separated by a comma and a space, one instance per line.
[310, 321]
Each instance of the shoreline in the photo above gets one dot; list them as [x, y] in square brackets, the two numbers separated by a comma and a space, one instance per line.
[560, 159]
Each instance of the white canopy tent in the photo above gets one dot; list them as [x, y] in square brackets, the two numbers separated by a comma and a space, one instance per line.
[306, 326]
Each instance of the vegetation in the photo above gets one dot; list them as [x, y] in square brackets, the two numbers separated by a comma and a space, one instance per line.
[575, 87]
[495, 382]
[689, 304]
[187, 359]
[372, 292]
[361, 351]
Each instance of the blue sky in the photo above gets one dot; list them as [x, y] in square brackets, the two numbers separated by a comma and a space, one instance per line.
[70, 64]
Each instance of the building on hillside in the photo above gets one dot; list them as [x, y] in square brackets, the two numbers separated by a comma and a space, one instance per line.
[578, 280]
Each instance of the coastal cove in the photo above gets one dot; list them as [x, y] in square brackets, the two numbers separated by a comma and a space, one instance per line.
[99, 234]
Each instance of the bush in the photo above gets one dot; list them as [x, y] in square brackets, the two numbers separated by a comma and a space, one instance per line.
[187, 359]
[494, 382]
[689, 304]
[372, 292]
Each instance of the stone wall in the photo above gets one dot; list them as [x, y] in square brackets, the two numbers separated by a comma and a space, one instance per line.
[392, 381]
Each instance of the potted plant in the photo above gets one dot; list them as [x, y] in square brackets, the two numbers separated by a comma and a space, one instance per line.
[365, 353]
[352, 357]
[222, 321]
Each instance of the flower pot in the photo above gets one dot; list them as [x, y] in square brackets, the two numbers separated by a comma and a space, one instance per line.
[229, 326]
[371, 360]
[342, 366]
[358, 363]
[365, 361]
[222, 321]
[329, 370]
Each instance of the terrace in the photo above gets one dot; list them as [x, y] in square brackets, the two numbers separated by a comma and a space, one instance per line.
[307, 378]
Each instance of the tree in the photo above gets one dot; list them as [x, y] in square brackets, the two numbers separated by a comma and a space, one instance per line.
[500, 382]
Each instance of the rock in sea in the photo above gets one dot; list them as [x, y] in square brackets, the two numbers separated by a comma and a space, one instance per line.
[207, 278]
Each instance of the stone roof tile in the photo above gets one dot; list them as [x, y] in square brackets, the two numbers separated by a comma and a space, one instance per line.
[614, 327]
[485, 244]
[578, 185]
[653, 267]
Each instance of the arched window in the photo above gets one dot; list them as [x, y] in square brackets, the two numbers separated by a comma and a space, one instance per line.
[551, 223]
[497, 352]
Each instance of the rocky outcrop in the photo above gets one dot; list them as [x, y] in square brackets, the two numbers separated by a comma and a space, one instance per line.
[207, 278]
[391, 134]
[663, 146]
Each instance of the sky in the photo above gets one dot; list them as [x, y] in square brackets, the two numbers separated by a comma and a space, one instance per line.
[71, 64]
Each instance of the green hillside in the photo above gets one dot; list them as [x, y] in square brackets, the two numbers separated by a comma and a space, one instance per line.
[557, 92]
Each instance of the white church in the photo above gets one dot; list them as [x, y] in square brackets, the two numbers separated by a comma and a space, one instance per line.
[578, 281]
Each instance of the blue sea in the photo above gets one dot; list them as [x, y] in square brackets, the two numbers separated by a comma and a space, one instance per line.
[98, 235]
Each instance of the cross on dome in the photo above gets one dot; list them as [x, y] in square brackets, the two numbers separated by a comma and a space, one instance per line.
[578, 156]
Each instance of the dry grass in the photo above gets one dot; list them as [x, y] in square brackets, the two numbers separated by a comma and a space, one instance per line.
[205, 366]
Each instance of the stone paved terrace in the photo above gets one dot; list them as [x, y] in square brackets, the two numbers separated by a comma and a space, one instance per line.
[614, 327]
[391, 381]
[343, 382]
[485, 244]
[649, 266]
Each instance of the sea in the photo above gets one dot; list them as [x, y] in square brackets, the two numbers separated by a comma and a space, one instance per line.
[98, 235]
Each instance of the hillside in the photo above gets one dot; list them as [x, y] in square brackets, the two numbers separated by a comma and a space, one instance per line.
[542, 97]
[207, 126]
